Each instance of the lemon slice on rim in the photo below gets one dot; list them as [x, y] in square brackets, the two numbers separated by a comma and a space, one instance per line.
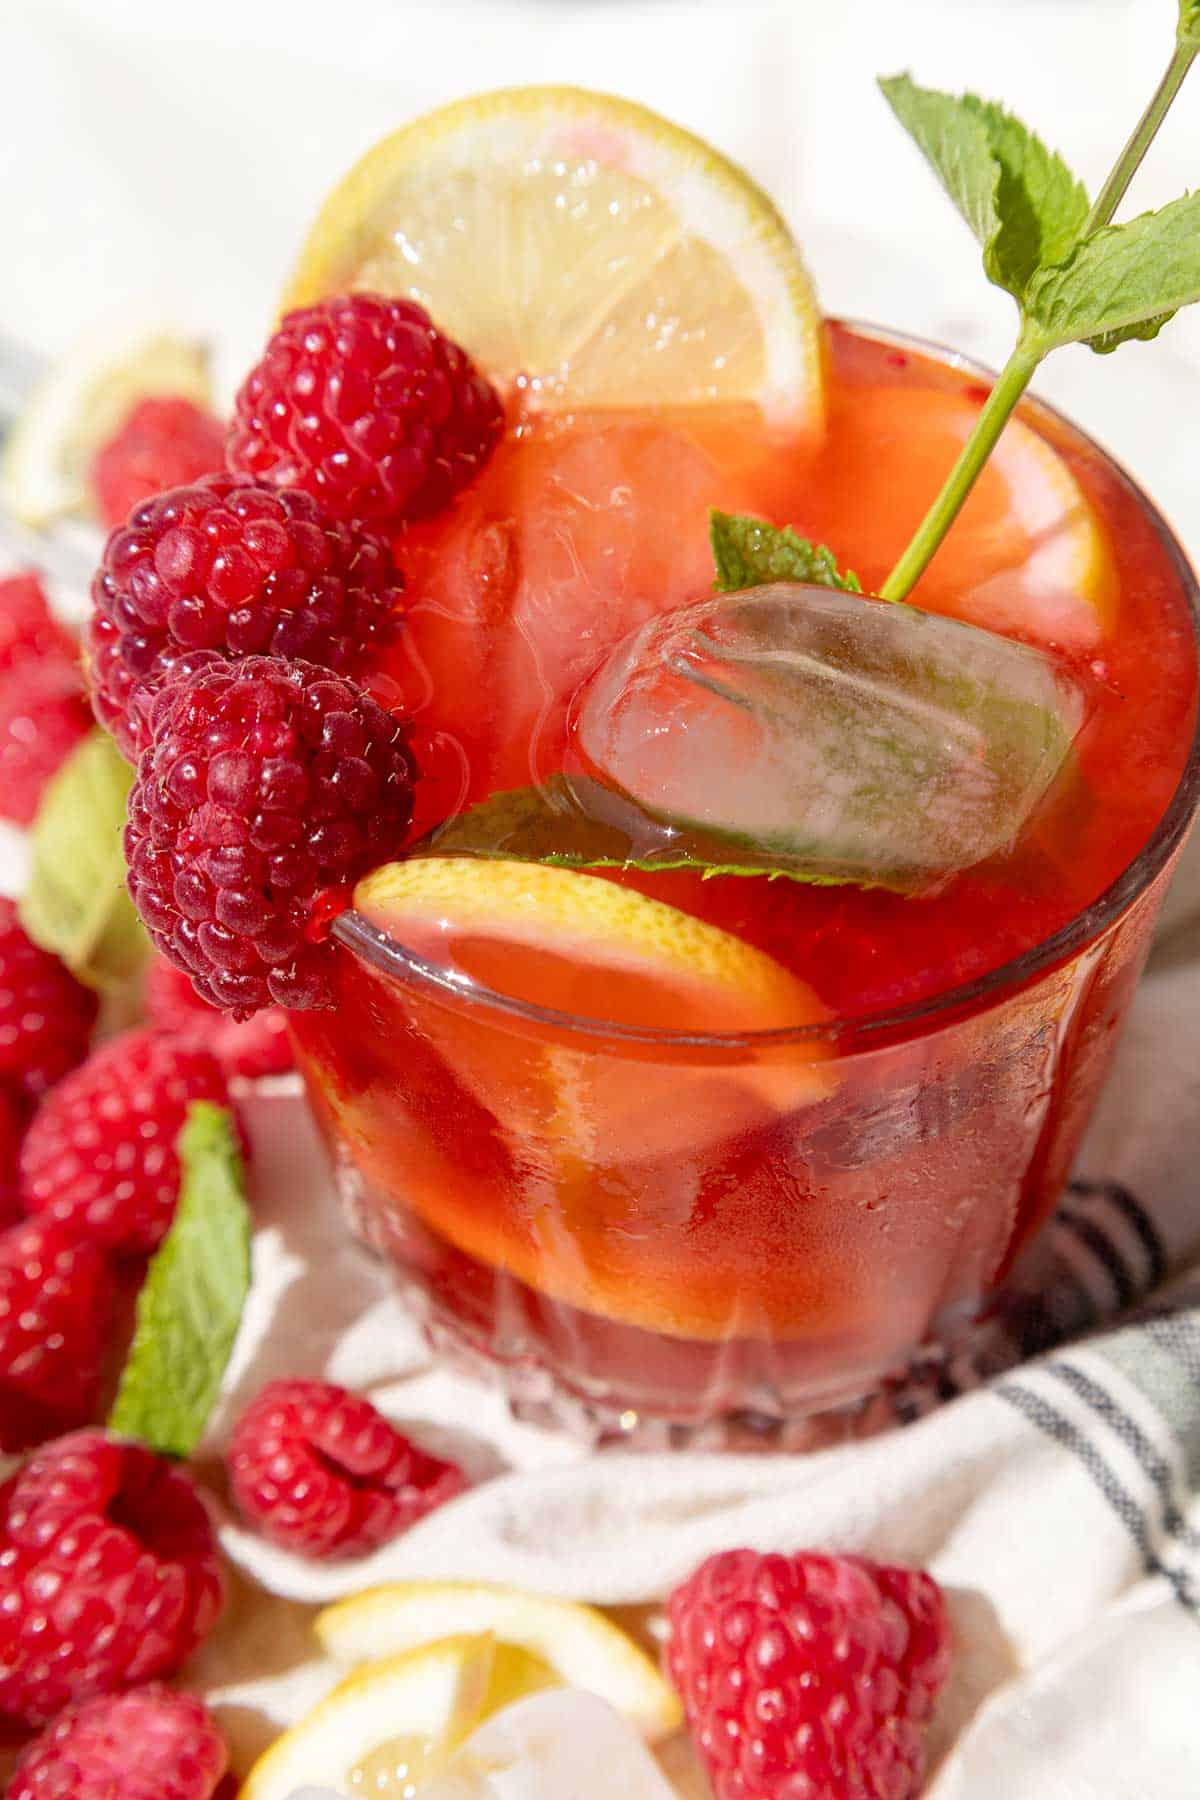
[81, 402]
[585, 246]
[394, 1723]
[597, 1128]
[583, 1647]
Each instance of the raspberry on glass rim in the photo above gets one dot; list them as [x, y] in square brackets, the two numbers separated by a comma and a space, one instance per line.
[230, 568]
[267, 789]
[361, 402]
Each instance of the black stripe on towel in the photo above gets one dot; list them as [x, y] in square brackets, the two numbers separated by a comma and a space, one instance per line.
[1120, 1198]
[1050, 1421]
[1105, 1252]
[1153, 1463]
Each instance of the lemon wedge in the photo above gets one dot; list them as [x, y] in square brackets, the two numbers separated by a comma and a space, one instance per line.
[396, 1721]
[584, 247]
[81, 402]
[582, 1647]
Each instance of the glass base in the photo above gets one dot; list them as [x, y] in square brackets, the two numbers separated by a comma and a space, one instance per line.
[610, 1384]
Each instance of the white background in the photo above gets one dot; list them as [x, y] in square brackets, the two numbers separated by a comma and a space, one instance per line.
[182, 148]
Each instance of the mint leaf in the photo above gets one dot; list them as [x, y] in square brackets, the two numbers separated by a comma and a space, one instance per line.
[572, 822]
[1123, 282]
[192, 1297]
[1189, 23]
[1042, 206]
[77, 904]
[750, 553]
[1019, 197]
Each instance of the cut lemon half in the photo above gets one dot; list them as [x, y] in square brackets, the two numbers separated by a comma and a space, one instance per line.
[585, 247]
[81, 402]
[583, 1647]
[395, 1722]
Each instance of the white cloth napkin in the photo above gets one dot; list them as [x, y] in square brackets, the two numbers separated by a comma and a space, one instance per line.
[183, 149]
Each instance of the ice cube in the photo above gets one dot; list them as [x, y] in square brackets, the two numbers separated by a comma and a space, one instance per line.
[559, 1745]
[835, 735]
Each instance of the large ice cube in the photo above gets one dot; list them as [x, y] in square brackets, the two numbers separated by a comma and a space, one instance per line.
[845, 737]
[558, 1745]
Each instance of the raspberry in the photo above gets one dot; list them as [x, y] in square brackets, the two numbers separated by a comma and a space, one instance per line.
[46, 1016]
[167, 441]
[12, 1124]
[808, 1677]
[236, 570]
[43, 715]
[56, 1306]
[100, 1154]
[150, 1744]
[250, 1048]
[108, 1574]
[362, 402]
[268, 786]
[320, 1471]
[28, 629]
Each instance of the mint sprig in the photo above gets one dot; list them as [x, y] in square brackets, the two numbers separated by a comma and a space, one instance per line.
[191, 1300]
[1020, 199]
[748, 552]
[1076, 277]
[1120, 283]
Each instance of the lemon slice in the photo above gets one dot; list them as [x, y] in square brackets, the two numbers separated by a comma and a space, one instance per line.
[602, 1133]
[580, 944]
[583, 1647]
[582, 245]
[395, 1722]
[81, 402]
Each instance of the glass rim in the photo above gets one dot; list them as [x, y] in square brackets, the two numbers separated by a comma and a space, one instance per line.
[387, 957]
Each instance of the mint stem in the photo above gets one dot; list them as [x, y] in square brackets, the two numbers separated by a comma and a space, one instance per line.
[1011, 383]
[1130, 159]
[1021, 366]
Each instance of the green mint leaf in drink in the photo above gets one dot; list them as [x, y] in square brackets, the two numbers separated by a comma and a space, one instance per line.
[191, 1300]
[1018, 197]
[574, 822]
[748, 552]
[76, 903]
[1123, 282]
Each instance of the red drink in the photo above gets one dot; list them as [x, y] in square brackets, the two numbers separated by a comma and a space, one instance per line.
[628, 1190]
